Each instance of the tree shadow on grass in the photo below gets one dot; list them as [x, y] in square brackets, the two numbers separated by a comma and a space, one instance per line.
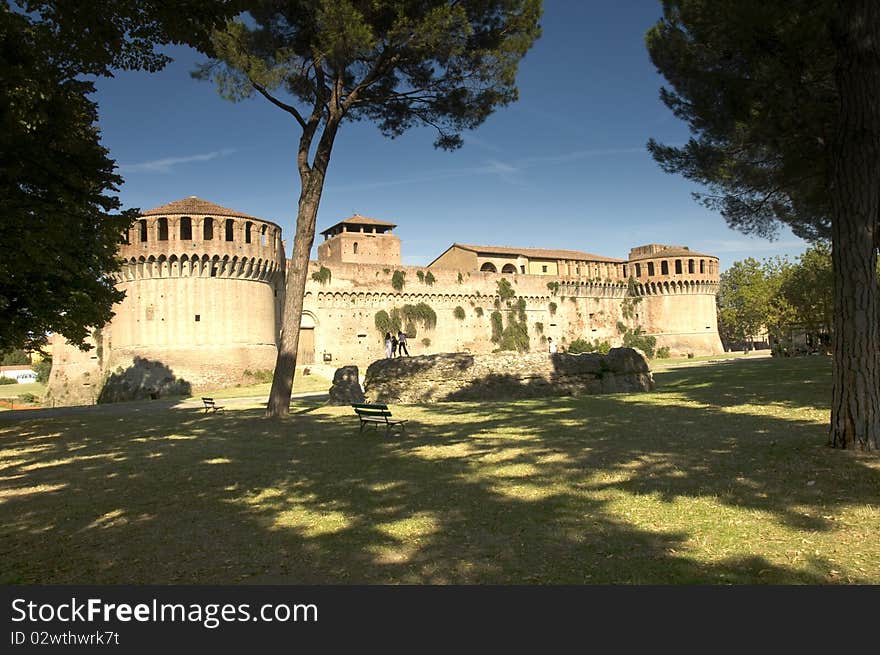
[475, 493]
[792, 382]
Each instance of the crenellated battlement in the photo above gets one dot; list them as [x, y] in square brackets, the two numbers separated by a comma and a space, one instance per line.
[675, 287]
[194, 265]
[193, 226]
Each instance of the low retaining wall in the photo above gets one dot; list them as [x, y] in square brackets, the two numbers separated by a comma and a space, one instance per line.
[503, 376]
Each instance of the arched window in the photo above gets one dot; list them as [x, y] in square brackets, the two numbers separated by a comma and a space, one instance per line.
[355, 248]
[650, 269]
[263, 236]
[678, 267]
[508, 268]
[186, 229]
[488, 267]
[247, 232]
[664, 267]
[230, 227]
[624, 271]
[702, 266]
[208, 229]
[691, 266]
[163, 229]
[143, 230]
[638, 270]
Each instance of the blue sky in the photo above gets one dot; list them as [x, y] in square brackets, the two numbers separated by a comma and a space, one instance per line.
[564, 167]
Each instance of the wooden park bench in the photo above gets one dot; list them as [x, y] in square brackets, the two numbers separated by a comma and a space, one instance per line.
[211, 406]
[377, 415]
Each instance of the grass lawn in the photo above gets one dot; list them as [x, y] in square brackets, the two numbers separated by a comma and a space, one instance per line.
[719, 476]
[313, 382]
[9, 395]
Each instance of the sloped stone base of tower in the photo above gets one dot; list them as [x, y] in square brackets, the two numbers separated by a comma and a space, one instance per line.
[505, 376]
[84, 378]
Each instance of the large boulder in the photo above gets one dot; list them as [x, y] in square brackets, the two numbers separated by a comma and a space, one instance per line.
[506, 375]
[346, 389]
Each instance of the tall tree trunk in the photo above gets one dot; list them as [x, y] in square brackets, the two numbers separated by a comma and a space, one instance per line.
[312, 180]
[294, 292]
[855, 196]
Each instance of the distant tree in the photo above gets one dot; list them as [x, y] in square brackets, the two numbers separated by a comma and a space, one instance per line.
[59, 224]
[399, 63]
[42, 368]
[744, 301]
[807, 289]
[784, 101]
[14, 357]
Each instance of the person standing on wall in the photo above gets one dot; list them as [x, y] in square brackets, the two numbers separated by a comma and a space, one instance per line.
[551, 345]
[394, 344]
[401, 344]
[388, 345]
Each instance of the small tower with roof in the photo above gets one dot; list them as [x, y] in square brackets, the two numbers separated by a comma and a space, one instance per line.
[360, 240]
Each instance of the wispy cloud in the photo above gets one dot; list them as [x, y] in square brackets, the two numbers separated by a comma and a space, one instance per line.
[506, 170]
[165, 165]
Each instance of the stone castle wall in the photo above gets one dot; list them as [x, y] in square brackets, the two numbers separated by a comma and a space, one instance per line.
[204, 295]
[344, 309]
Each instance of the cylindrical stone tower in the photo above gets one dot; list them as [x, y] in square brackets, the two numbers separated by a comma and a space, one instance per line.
[678, 288]
[203, 290]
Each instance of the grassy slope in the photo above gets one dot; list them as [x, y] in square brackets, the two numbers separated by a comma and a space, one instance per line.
[719, 476]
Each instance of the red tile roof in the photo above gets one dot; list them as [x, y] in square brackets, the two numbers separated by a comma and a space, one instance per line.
[539, 253]
[357, 219]
[670, 251]
[196, 206]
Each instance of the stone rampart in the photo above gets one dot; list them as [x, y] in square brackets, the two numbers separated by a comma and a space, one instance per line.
[505, 376]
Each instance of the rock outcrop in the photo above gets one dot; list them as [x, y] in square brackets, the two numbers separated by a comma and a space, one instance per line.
[346, 389]
[503, 376]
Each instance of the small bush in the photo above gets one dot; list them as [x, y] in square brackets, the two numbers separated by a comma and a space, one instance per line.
[28, 398]
[505, 290]
[539, 327]
[460, 277]
[421, 276]
[552, 308]
[42, 369]
[430, 279]
[397, 280]
[663, 353]
[554, 287]
[638, 339]
[478, 311]
[421, 313]
[323, 275]
[5, 380]
[458, 312]
[585, 346]
[260, 376]
[426, 342]
[497, 326]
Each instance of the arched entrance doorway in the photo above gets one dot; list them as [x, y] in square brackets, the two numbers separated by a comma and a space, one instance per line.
[305, 352]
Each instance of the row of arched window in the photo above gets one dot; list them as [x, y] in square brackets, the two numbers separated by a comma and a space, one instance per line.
[222, 230]
[706, 268]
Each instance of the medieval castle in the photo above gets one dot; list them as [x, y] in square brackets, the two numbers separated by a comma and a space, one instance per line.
[205, 284]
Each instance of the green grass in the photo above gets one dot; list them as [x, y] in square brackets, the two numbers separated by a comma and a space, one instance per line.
[720, 476]
[15, 390]
[314, 382]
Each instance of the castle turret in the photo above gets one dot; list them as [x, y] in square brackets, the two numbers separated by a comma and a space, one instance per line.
[203, 286]
[360, 240]
[678, 288]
